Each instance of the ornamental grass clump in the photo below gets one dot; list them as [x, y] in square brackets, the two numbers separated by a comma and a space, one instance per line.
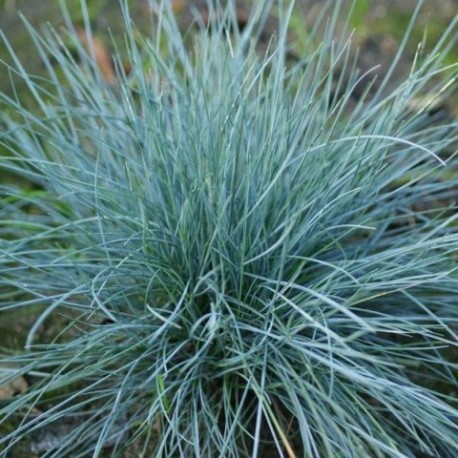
[226, 252]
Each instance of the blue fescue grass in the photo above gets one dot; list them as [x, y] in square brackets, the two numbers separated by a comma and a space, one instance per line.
[237, 263]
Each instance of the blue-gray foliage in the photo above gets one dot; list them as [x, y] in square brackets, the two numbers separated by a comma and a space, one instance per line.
[240, 255]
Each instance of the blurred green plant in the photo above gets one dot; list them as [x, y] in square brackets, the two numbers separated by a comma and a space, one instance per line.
[240, 262]
[94, 8]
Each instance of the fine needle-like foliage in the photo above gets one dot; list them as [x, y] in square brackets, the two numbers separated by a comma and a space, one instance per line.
[237, 256]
